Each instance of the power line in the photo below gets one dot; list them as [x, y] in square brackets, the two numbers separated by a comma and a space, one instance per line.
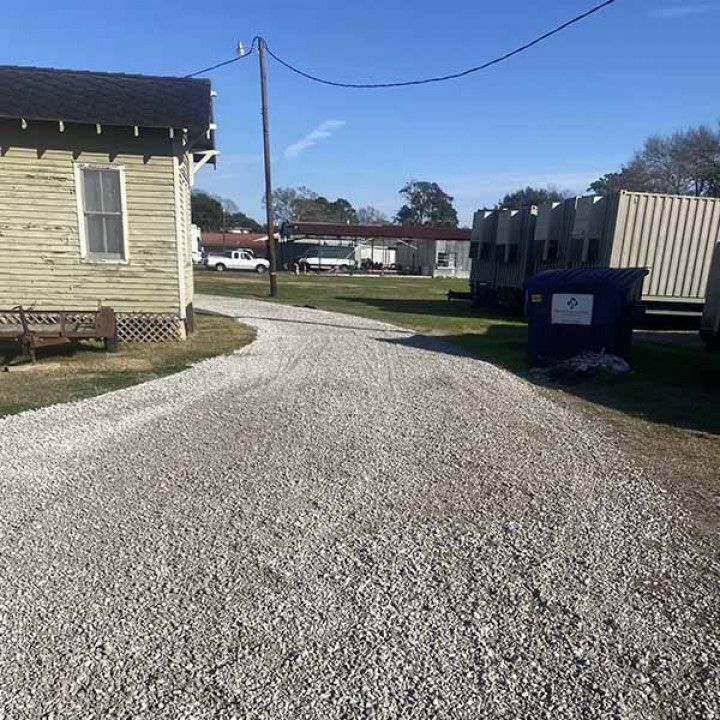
[225, 62]
[453, 76]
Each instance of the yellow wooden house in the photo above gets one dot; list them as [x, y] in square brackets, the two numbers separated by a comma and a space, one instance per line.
[96, 171]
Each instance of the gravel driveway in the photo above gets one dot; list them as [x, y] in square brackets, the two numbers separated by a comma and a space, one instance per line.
[343, 520]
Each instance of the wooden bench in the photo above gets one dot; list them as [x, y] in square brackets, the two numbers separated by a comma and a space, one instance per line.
[34, 329]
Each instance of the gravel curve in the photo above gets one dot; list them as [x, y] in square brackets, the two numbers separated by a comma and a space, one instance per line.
[343, 520]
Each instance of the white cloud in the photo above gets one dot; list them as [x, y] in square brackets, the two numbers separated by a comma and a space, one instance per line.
[671, 12]
[323, 131]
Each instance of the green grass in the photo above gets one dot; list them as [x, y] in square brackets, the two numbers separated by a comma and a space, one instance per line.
[671, 385]
[67, 374]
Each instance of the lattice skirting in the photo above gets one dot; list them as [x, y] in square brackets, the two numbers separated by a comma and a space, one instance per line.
[146, 327]
[46, 318]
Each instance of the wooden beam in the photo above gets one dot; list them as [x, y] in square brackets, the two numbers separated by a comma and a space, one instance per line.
[207, 155]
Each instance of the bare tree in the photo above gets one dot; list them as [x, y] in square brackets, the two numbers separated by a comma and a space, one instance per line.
[369, 215]
[686, 163]
[288, 203]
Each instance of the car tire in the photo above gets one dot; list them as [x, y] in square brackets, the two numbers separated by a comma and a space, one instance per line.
[260, 269]
[220, 268]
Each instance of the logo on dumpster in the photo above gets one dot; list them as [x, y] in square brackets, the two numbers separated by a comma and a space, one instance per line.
[575, 309]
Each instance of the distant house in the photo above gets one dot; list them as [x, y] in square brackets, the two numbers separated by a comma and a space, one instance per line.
[96, 171]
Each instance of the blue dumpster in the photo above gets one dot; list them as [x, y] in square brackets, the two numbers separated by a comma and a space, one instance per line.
[588, 309]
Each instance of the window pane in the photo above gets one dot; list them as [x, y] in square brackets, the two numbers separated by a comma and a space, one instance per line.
[111, 190]
[95, 234]
[91, 190]
[113, 234]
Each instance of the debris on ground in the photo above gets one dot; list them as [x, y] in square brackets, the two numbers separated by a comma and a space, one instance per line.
[583, 367]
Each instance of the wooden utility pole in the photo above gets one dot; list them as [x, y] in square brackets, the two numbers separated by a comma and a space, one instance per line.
[272, 242]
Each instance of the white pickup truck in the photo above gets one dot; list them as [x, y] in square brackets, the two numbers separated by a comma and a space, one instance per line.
[237, 260]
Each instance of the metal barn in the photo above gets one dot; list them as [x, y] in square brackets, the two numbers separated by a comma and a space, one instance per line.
[435, 258]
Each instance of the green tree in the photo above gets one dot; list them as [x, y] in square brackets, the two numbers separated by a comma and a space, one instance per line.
[320, 209]
[207, 212]
[630, 177]
[525, 197]
[215, 214]
[241, 220]
[426, 203]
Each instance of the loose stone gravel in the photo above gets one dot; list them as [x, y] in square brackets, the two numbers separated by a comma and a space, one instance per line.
[343, 520]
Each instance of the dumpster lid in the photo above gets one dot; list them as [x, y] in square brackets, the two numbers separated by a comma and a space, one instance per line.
[590, 279]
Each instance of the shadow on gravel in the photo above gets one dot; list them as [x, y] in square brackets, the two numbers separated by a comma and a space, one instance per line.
[671, 384]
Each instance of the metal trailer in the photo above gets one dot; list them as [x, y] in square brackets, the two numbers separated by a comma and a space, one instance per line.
[553, 233]
[710, 323]
[504, 255]
[434, 258]
[482, 253]
[672, 235]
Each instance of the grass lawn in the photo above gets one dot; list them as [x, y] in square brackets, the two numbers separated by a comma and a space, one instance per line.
[64, 374]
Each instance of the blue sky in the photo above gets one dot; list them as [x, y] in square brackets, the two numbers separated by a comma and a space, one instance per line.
[562, 113]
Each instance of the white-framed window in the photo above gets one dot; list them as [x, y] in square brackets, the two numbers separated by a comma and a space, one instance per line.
[102, 212]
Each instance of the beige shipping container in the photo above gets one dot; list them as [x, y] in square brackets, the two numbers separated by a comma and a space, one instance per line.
[672, 235]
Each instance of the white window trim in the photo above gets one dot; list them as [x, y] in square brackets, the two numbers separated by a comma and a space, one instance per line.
[79, 195]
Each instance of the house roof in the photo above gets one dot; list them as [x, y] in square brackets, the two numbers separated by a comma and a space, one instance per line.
[117, 99]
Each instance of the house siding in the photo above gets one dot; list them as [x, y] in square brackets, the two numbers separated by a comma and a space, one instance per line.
[40, 255]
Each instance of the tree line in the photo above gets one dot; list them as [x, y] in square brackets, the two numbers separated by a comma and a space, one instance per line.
[686, 162]
[425, 203]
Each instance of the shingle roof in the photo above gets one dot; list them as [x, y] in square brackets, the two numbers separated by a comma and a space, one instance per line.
[108, 98]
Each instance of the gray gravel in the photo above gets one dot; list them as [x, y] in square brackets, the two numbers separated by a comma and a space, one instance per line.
[343, 521]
